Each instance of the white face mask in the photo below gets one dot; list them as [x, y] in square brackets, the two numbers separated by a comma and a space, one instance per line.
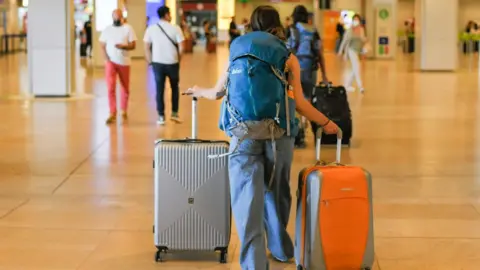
[355, 23]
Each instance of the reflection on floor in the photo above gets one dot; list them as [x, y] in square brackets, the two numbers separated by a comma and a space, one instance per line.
[76, 194]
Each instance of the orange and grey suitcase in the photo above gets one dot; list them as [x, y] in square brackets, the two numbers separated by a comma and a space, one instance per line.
[192, 195]
[334, 223]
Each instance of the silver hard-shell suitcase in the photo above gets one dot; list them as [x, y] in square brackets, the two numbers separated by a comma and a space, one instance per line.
[192, 195]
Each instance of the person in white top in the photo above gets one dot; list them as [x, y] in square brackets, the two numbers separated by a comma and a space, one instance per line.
[163, 50]
[117, 40]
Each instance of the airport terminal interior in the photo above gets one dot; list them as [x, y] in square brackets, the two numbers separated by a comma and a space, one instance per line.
[76, 193]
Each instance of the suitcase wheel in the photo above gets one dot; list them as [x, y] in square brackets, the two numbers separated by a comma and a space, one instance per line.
[299, 267]
[223, 255]
[159, 255]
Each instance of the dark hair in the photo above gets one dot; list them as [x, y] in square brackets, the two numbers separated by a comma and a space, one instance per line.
[300, 14]
[163, 11]
[357, 16]
[266, 19]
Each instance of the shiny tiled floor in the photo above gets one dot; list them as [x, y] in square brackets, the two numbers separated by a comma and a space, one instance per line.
[76, 194]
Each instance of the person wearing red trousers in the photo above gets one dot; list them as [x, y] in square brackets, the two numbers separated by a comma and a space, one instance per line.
[116, 41]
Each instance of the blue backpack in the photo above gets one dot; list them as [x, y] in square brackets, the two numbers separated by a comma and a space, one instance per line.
[258, 103]
[303, 43]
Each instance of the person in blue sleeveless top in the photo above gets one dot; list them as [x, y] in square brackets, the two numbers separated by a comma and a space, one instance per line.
[304, 41]
[258, 113]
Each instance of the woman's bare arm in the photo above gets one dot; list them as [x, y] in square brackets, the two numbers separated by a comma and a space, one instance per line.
[303, 106]
[217, 92]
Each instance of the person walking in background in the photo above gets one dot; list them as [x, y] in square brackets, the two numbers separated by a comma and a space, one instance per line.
[243, 26]
[286, 25]
[304, 41]
[233, 30]
[310, 19]
[340, 29]
[189, 42]
[163, 49]
[211, 42]
[87, 28]
[116, 42]
[471, 46]
[352, 46]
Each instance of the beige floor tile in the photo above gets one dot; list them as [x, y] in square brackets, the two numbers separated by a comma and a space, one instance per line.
[427, 228]
[102, 185]
[104, 169]
[423, 253]
[25, 184]
[83, 212]
[453, 187]
[426, 211]
[136, 250]
[32, 249]
[9, 204]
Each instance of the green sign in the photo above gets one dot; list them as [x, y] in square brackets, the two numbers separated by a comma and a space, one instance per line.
[383, 14]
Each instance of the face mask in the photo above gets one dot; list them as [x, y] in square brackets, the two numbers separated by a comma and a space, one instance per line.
[356, 23]
[117, 22]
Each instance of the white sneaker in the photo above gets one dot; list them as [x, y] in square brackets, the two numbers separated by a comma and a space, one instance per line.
[161, 120]
[350, 89]
[175, 118]
[362, 90]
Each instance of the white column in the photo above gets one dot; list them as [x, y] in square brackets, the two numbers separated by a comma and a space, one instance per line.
[436, 35]
[137, 18]
[12, 17]
[51, 53]
[381, 27]
[172, 5]
[353, 5]
[225, 12]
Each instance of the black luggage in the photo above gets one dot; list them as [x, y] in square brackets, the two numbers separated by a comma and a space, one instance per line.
[332, 101]
[83, 50]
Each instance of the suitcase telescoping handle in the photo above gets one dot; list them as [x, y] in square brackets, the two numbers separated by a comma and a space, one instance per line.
[194, 118]
[318, 147]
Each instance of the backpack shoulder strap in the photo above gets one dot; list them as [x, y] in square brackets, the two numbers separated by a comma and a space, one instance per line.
[170, 39]
[296, 37]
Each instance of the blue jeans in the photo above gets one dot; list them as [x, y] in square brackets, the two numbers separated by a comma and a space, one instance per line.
[256, 209]
[308, 78]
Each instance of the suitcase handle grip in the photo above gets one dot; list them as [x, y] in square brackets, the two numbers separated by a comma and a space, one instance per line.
[194, 118]
[319, 145]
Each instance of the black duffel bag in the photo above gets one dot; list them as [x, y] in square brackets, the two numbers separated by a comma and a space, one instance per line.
[332, 101]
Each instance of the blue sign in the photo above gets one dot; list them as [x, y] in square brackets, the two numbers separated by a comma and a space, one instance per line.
[383, 40]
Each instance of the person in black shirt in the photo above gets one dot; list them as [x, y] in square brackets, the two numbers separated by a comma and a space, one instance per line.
[87, 27]
[233, 30]
[340, 32]
[287, 27]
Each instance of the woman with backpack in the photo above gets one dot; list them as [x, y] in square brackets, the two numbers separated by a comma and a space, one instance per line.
[352, 46]
[258, 113]
[304, 41]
